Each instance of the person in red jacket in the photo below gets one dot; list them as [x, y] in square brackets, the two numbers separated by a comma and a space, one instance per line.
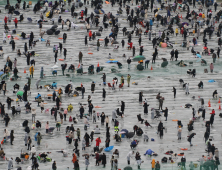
[90, 35]
[98, 141]
[82, 13]
[15, 21]
[130, 45]
[5, 20]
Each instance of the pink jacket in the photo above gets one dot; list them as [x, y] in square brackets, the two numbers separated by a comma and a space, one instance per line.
[65, 111]
[211, 66]
[47, 126]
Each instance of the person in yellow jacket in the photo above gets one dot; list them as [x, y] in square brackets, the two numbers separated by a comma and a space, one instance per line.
[31, 70]
[153, 164]
[176, 31]
[203, 16]
[70, 108]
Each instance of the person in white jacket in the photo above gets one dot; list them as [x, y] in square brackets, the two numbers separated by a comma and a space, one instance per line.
[4, 37]
[6, 134]
[130, 155]
[33, 150]
[107, 121]
[42, 106]
[33, 115]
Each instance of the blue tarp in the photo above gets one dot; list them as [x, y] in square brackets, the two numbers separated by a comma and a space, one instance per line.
[211, 81]
[112, 61]
[109, 149]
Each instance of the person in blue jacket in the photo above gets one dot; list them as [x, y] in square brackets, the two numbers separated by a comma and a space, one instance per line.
[39, 95]
[149, 152]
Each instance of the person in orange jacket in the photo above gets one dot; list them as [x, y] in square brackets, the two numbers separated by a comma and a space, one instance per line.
[31, 70]
[74, 159]
[90, 35]
[15, 21]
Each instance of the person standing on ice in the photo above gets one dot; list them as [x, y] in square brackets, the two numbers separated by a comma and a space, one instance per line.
[187, 88]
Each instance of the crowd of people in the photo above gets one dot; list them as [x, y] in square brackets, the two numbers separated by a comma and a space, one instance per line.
[159, 21]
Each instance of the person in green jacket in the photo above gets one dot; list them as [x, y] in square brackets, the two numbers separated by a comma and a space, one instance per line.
[122, 80]
[98, 45]
[128, 79]
[39, 137]
[157, 166]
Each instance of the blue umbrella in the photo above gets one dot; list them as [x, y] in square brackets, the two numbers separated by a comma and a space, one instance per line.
[112, 61]
[125, 130]
[1, 72]
[109, 149]
[198, 55]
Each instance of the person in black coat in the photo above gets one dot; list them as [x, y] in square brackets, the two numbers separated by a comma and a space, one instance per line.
[107, 142]
[160, 126]
[56, 53]
[145, 105]
[57, 103]
[9, 101]
[140, 96]
[107, 132]
[64, 37]
[90, 109]
[172, 54]
[83, 91]
[55, 114]
[103, 158]
[93, 87]
[25, 96]
[190, 138]
[3, 110]
[81, 110]
[123, 43]
[165, 113]
[28, 58]
[13, 45]
[86, 41]
[176, 54]
[122, 106]
[31, 37]
[203, 114]
[87, 137]
[12, 137]
[65, 52]
[103, 116]
[54, 96]
[104, 94]
[206, 136]
[174, 92]
[60, 47]
[212, 119]
[6, 119]
[25, 47]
